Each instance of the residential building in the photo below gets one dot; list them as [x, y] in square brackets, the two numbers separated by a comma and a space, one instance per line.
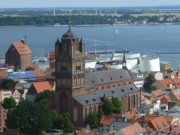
[18, 94]
[173, 111]
[36, 88]
[158, 94]
[132, 114]
[78, 92]
[175, 94]
[3, 74]
[167, 84]
[132, 130]
[85, 131]
[3, 117]
[19, 55]
[159, 124]
[106, 124]
[176, 131]
[4, 94]
[165, 65]
[164, 102]
[138, 80]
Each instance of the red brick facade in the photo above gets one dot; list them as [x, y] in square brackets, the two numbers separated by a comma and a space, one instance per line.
[3, 116]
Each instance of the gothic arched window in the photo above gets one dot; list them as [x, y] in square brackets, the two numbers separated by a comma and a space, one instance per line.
[75, 114]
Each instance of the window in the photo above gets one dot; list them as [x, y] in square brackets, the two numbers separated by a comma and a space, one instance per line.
[102, 80]
[102, 87]
[63, 68]
[75, 114]
[78, 68]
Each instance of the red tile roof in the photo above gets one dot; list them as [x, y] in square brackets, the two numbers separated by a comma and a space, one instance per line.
[20, 84]
[160, 123]
[133, 113]
[22, 48]
[106, 120]
[167, 82]
[169, 118]
[42, 86]
[38, 73]
[132, 129]
[149, 118]
[3, 73]
[176, 93]
[176, 130]
[158, 92]
[85, 131]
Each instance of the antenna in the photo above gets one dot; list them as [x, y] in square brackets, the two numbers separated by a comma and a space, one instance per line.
[95, 47]
[69, 22]
[54, 12]
[107, 46]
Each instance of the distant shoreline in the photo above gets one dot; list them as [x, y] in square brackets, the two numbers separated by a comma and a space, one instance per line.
[95, 25]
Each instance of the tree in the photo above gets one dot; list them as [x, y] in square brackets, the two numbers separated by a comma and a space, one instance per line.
[92, 120]
[108, 107]
[100, 113]
[117, 105]
[43, 97]
[150, 79]
[68, 127]
[9, 103]
[169, 70]
[8, 84]
[29, 118]
[57, 120]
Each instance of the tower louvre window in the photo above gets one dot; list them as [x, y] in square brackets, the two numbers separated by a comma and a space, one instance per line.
[63, 68]
[78, 68]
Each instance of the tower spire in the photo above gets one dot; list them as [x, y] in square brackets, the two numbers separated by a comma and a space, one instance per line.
[69, 23]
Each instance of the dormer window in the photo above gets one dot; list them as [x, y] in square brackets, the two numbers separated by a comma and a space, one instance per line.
[87, 101]
[102, 80]
[122, 90]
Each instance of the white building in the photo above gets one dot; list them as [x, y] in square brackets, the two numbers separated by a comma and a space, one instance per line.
[4, 94]
[149, 64]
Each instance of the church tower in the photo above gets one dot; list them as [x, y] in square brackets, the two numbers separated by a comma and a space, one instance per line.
[70, 69]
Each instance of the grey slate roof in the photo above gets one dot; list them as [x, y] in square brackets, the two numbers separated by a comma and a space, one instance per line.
[120, 125]
[97, 97]
[69, 35]
[147, 94]
[106, 76]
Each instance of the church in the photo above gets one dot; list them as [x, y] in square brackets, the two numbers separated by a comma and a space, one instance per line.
[80, 93]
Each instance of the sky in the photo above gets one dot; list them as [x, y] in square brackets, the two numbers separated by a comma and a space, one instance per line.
[85, 3]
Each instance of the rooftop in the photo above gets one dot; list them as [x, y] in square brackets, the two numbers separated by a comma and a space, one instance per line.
[22, 48]
[100, 95]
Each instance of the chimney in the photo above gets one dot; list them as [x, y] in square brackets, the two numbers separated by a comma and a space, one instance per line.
[23, 41]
